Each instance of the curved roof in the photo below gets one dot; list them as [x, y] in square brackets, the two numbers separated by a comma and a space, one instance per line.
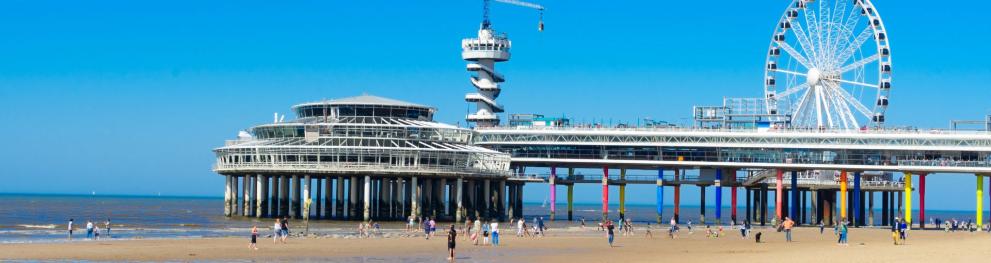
[364, 99]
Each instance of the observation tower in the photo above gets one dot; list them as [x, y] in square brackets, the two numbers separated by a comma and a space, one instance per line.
[482, 53]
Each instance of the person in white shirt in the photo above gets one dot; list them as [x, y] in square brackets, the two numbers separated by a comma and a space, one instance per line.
[70, 228]
[89, 229]
[495, 233]
[519, 228]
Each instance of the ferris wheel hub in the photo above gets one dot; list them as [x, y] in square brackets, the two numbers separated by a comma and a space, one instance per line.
[813, 77]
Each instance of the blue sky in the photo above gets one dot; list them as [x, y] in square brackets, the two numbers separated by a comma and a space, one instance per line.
[129, 97]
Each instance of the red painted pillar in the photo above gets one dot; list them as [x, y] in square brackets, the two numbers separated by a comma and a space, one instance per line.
[922, 201]
[605, 192]
[732, 193]
[778, 194]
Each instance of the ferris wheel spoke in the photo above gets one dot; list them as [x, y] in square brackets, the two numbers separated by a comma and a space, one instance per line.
[848, 26]
[794, 54]
[852, 47]
[853, 102]
[855, 83]
[824, 97]
[859, 63]
[812, 24]
[842, 109]
[846, 107]
[803, 40]
[792, 90]
[798, 109]
[789, 72]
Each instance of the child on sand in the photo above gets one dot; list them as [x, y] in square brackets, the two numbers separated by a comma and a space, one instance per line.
[894, 236]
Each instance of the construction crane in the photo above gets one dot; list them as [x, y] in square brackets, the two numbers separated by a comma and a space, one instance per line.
[539, 8]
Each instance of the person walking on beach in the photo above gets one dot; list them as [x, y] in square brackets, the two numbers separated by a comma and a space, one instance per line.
[648, 234]
[609, 231]
[743, 229]
[70, 228]
[541, 226]
[821, 227]
[843, 232]
[89, 229]
[485, 234]
[426, 229]
[902, 227]
[254, 238]
[285, 229]
[788, 224]
[467, 230]
[478, 229]
[452, 237]
[433, 227]
[107, 225]
[96, 232]
[519, 227]
[276, 231]
[495, 233]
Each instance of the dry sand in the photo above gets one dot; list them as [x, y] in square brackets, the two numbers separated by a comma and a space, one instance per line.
[574, 245]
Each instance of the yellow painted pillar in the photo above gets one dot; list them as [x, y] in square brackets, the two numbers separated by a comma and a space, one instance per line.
[980, 201]
[843, 195]
[908, 198]
[622, 193]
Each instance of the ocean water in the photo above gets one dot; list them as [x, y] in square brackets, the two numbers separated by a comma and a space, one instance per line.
[43, 218]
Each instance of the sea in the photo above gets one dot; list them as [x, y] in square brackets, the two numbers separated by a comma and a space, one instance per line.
[42, 218]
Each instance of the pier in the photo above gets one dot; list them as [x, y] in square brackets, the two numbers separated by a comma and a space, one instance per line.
[824, 154]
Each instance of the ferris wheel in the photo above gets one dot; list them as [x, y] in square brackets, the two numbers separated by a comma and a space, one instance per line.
[829, 65]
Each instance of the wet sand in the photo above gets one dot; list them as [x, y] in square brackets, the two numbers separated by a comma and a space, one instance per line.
[571, 245]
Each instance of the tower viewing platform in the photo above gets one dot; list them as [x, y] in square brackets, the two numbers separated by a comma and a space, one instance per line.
[482, 53]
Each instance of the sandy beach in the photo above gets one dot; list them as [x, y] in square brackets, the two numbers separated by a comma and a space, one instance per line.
[572, 245]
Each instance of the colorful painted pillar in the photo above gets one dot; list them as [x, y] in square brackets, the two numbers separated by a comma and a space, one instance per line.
[843, 196]
[922, 201]
[677, 203]
[553, 191]
[908, 198]
[605, 192]
[732, 213]
[856, 199]
[778, 191]
[660, 195]
[980, 201]
[796, 201]
[622, 193]
[719, 196]
[571, 193]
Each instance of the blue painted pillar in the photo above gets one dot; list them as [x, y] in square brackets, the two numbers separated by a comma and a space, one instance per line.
[660, 195]
[856, 199]
[795, 199]
[719, 196]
